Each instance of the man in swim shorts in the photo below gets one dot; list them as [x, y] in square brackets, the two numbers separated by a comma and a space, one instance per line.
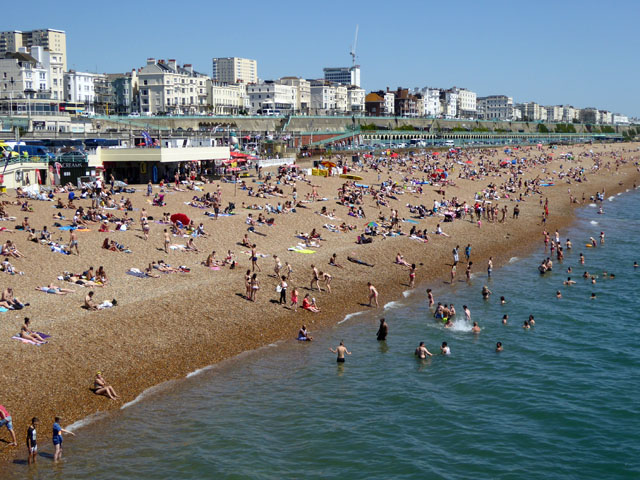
[341, 350]
[382, 331]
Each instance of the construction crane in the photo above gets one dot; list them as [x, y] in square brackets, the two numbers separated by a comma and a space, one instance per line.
[353, 48]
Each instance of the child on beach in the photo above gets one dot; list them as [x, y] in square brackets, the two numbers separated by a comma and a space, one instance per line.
[57, 438]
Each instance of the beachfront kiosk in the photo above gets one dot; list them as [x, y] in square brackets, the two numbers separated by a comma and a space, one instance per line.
[139, 165]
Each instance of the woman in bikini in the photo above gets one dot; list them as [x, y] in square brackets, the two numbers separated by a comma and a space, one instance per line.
[28, 334]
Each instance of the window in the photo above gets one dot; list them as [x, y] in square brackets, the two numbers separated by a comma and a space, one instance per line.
[144, 83]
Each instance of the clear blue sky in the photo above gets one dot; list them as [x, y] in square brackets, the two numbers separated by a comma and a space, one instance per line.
[583, 53]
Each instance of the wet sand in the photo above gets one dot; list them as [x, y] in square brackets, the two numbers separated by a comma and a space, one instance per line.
[164, 328]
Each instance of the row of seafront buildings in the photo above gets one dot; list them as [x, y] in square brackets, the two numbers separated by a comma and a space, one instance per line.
[33, 67]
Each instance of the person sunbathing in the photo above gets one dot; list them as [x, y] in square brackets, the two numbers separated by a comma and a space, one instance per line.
[28, 334]
[101, 387]
[211, 260]
[401, 261]
[55, 290]
[149, 271]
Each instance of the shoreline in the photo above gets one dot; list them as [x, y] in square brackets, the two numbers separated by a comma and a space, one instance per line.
[161, 387]
[207, 342]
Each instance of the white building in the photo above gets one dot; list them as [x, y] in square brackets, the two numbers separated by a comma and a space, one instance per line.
[23, 76]
[355, 99]
[606, 117]
[619, 119]
[167, 88]
[79, 87]
[495, 107]
[532, 112]
[270, 95]
[449, 102]
[569, 114]
[303, 93]
[235, 70]
[389, 103]
[323, 97]
[227, 99]
[343, 75]
[467, 100]
[554, 113]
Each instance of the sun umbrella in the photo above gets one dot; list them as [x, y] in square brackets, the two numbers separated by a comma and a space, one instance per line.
[469, 162]
[328, 164]
[372, 224]
[180, 217]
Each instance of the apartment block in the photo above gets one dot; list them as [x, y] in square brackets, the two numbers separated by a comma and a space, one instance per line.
[343, 75]
[55, 41]
[495, 107]
[232, 70]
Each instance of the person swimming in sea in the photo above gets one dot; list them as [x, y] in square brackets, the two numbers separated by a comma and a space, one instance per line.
[499, 347]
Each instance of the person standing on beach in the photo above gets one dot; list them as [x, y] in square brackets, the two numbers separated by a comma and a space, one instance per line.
[5, 421]
[57, 438]
[167, 241]
[340, 350]
[254, 259]
[412, 275]
[453, 272]
[383, 331]
[315, 278]
[283, 290]
[456, 256]
[489, 267]
[32, 444]
[255, 286]
[467, 252]
[373, 294]
[468, 271]
[73, 241]
[294, 299]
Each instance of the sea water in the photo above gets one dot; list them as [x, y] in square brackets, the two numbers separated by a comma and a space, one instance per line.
[561, 401]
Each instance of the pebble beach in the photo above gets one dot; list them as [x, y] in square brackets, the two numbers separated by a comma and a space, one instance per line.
[163, 328]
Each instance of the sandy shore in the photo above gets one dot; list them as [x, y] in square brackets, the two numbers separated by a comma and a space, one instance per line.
[164, 328]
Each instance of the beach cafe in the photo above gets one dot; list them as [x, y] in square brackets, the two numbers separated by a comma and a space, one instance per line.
[139, 165]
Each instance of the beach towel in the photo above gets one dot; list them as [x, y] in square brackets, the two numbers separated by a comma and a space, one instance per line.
[359, 262]
[408, 220]
[135, 272]
[67, 228]
[182, 248]
[299, 249]
[2, 309]
[31, 342]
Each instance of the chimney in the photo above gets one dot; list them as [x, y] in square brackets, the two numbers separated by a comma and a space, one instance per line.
[188, 67]
[161, 61]
[172, 63]
[151, 61]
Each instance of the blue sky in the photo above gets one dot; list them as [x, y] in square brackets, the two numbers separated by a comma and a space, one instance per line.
[583, 53]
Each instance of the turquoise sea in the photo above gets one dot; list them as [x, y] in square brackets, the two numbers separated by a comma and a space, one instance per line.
[560, 402]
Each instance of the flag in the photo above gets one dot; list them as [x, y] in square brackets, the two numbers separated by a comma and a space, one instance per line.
[38, 177]
[148, 141]
[58, 166]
